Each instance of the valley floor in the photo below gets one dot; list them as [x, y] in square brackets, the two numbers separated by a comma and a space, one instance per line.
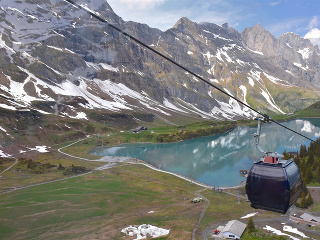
[115, 195]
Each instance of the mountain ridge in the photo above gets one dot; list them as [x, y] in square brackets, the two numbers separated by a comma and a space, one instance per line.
[66, 49]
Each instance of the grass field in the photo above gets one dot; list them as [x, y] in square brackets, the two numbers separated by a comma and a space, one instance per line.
[99, 205]
[19, 175]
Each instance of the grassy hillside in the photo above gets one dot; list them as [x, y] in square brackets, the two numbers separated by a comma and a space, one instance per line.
[311, 111]
[100, 204]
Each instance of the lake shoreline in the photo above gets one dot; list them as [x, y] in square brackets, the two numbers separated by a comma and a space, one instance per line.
[128, 143]
[231, 151]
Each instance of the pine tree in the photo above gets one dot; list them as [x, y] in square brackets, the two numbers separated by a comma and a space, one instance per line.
[310, 159]
[250, 226]
[308, 176]
[315, 164]
[317, 174]
[297, 161]
[303, 151]
[286, 156]
[305, 190]
[309, 200]
[303, 168]
[302, 202]
[317, 152]
[60, 167]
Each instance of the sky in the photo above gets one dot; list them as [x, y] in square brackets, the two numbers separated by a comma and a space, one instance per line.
[277, 16]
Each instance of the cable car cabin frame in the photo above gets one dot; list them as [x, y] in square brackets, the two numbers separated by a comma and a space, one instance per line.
[274, 186]
[272, 183]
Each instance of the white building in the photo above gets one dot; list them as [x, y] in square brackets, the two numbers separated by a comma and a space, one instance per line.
[233, 230]
[309, 217]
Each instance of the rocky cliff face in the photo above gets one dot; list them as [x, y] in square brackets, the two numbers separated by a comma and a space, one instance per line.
[52, 52]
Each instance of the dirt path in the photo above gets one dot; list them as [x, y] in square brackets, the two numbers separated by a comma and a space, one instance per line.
[203, 211]
[10, 166]
[37, 184]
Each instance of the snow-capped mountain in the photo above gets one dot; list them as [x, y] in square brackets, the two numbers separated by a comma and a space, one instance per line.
[313, 36]
[57, 59]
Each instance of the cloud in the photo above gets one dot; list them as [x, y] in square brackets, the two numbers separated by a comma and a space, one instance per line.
[138, 4]
[291, 25]
[314, 22]
[163, 14]
[315, 42]
[218, 12]
[273, 4]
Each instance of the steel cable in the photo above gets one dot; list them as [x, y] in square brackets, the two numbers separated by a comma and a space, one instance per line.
[180, 66]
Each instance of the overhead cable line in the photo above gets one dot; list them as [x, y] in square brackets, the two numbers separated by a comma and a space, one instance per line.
[267, 118]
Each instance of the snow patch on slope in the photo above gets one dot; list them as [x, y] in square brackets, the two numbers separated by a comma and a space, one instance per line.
[270, 100]
[257, 52]
[305, 53]
[251, 82]
[218, 36]
[276, 80]
[4, 155]
[244, 90]
[169, 105]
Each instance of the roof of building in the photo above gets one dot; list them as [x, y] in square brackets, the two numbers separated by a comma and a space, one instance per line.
[309, 217]
[236, 227]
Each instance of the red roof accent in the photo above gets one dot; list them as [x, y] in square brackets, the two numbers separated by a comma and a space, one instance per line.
[269, 159]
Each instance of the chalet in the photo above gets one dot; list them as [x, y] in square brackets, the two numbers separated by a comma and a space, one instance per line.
[310, 218]
[139, 129]
[233, 230]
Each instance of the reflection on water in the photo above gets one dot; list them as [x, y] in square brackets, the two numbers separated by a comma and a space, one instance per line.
[217, 160]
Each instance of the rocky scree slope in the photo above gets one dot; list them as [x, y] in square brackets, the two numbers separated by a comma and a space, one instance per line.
[57, 59]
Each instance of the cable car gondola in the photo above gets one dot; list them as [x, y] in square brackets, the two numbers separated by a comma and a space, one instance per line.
[273, 184]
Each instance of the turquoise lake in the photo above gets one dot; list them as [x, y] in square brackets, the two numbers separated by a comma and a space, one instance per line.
[217, 160]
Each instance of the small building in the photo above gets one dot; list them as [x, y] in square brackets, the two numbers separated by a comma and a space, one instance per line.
[233, 230]
[294, 154]
[139, 129]
[308, 217]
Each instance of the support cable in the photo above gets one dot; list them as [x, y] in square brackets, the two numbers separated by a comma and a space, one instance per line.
[267, 118]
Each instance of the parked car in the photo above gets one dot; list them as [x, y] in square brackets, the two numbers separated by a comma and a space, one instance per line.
[197, 200]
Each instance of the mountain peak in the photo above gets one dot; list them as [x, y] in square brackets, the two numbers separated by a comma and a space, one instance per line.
[294, 40]
[226, 25]
[290, 34]
[230, 29]
[257, 29]
[184, 23]
[95, 4]
[258, 39]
